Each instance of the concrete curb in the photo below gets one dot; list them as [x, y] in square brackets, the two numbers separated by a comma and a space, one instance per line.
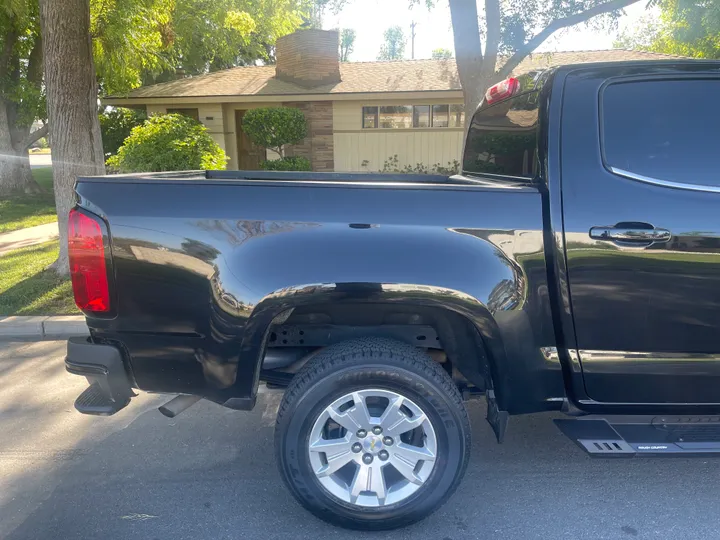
[43, 327]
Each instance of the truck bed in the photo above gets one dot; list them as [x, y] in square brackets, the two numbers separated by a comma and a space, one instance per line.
[203, 261]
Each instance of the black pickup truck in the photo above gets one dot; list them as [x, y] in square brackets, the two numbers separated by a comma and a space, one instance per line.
[573, 266]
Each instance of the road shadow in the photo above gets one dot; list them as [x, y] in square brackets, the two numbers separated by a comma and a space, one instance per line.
[210, 473]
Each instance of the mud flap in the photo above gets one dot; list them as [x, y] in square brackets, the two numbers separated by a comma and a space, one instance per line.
[497, 419]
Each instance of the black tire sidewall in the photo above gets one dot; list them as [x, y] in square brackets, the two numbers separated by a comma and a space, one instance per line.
[294, 431]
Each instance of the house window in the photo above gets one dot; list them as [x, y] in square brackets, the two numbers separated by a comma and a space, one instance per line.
[396, 116]
[457, 116]
[421, 116]
[190, 113]
[370, 117]
[413, 116]
[440, 115]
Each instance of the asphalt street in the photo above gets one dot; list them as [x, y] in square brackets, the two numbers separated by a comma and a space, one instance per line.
[210, 474]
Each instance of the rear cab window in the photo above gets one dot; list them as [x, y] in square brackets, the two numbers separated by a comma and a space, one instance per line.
[502, 139]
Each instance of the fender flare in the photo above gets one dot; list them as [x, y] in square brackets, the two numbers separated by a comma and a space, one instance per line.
[276, 308]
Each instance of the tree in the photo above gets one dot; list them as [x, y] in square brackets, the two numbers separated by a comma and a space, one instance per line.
[394, 46]
[275, 127]
[511, 31]
[685, 27]
[347, 43]
[441, 54]
[169, 142]
[21, 95]
[72, 94]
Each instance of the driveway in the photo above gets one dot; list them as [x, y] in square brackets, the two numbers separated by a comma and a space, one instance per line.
[210, 473]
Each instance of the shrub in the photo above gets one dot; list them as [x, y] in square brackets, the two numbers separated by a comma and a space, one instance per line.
[116, 125]
[274, 127]
[290, 163]
[170, 142]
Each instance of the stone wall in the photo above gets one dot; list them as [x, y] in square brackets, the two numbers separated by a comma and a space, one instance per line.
[318, 145]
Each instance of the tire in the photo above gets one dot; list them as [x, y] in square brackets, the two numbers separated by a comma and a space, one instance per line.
[373, 370]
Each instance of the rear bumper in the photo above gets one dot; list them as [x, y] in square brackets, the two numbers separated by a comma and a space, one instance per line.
[103, 367]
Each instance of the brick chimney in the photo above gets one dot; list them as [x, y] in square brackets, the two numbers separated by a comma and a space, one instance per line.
[308, 57]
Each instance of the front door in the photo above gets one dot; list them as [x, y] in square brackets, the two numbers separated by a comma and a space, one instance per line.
[249, 155]
[641, 203]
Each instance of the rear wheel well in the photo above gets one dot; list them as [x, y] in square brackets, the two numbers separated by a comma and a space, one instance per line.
[450, 338]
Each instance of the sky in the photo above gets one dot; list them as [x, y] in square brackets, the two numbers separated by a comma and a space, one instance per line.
[370, 19]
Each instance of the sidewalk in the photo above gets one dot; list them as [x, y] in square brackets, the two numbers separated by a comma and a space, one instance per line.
[43, 326]
[27, 237]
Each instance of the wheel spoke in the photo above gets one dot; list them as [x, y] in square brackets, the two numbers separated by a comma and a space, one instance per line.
[331, 446]
[404, 424]
[360, 482]
[377, 483]
[359, 412]
[392, 414]
[406, 467]
[335, 462]
[413, 454]
[344, 419]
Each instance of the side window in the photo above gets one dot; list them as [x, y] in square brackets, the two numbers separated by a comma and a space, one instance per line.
[502, 138]
[662, 129]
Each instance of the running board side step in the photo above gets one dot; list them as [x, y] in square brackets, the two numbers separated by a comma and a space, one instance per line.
[643, 435]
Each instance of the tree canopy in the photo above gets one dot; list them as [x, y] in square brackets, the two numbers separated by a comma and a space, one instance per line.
[685, 27]
[394, 46]
[147, 41]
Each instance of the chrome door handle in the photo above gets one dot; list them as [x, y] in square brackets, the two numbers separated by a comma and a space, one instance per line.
[630, 234]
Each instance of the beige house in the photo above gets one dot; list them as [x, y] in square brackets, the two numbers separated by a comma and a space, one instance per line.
[359, 114]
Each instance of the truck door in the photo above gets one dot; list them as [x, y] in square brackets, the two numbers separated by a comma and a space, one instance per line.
[641, 209]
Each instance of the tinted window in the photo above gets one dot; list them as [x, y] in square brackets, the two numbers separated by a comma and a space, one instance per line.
[503, 138]
[666, 130]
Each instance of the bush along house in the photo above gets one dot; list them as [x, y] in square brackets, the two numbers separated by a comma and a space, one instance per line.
[361, 116]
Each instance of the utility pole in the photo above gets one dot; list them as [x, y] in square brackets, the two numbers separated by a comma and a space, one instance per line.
[412, 39]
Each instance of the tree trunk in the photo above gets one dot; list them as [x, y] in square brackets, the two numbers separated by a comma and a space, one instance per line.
[15, 175]
[72, 104]
[468, 53]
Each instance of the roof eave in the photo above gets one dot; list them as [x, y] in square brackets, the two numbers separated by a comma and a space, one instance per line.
[263, 98]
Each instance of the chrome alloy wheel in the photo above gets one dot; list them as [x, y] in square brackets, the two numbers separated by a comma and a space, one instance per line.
[372, 448]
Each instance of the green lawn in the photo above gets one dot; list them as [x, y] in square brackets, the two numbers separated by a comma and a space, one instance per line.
[29, 210]
[28, 288]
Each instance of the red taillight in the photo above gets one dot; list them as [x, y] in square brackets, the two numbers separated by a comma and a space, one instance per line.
[87, 263]
[502, 90]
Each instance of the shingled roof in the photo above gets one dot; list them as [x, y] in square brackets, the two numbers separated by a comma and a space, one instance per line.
[364, 77]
